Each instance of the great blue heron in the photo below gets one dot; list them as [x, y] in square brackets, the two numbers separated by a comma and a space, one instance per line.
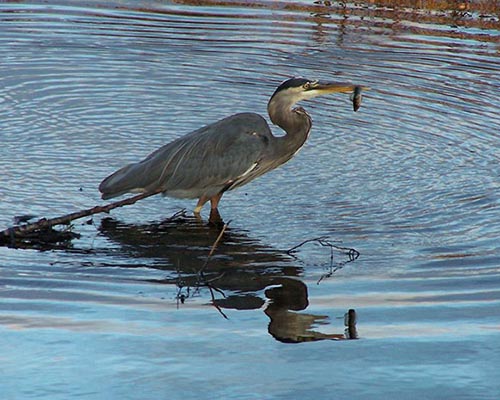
[229, 153]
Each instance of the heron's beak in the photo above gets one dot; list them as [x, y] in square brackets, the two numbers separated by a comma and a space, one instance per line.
[336, 87]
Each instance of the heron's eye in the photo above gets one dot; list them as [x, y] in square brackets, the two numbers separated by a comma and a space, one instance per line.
[306, 86]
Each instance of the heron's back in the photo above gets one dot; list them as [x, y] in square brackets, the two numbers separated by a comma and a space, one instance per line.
[197, 164]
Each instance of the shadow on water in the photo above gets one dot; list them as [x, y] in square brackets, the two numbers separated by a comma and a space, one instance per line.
[240, 270]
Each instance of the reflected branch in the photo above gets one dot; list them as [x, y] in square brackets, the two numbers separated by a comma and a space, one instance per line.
[214, 246]
[324, 241]
[201, 280]
[214, 300]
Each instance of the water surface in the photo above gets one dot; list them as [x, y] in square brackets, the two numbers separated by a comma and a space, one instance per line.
[411, 181]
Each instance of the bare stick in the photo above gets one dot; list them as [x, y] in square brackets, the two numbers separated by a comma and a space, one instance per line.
[44, 223]
[208, 283]
[214, 246]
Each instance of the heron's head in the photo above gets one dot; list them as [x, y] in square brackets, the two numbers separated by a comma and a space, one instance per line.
[296, 89]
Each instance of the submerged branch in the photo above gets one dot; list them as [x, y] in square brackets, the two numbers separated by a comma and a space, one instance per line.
[9, 235]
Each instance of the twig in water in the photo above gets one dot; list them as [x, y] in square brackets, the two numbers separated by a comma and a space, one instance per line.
[352, 254]
[214, 303]
[214, 246]
[177, 215]
[10, 234]
[323, 241]
[201, 279]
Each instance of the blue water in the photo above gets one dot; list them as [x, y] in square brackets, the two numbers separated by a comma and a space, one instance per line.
[411, 181]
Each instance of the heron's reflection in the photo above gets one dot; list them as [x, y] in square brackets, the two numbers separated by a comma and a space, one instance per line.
[241, 267]
[287, 325]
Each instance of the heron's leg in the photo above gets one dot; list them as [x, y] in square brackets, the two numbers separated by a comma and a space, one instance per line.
[215, 218]
[214, 201]
[201, 202]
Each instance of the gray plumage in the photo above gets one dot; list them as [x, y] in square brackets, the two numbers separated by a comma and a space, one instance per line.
[226, 154]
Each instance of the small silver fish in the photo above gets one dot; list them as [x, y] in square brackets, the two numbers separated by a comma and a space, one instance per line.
[356, 98]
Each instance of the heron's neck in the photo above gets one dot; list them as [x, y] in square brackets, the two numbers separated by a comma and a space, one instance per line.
[295, 122]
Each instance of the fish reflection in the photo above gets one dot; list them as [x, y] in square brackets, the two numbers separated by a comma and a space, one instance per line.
[240, 268]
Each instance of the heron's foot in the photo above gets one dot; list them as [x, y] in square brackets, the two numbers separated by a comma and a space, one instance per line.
[197, 217]
[199, 206]
[215, 219]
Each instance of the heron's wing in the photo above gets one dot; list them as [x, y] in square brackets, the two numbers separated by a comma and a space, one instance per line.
[203, 162]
